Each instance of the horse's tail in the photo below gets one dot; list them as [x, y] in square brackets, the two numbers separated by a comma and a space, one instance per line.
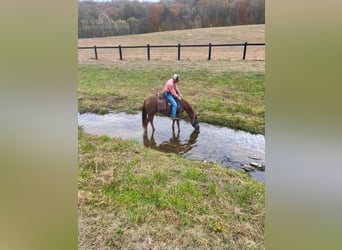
[144, 116]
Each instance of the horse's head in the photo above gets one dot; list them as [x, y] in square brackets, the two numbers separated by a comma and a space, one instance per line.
[187, 107]
[194, 122]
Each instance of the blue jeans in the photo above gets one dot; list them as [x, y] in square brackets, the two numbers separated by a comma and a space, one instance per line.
[171, 99]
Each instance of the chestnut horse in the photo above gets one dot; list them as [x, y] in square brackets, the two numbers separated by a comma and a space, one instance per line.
[149, 109]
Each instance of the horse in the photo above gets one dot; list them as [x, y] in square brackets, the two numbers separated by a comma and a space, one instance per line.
[158, 104]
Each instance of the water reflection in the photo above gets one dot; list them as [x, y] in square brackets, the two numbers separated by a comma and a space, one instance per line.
[174, 144]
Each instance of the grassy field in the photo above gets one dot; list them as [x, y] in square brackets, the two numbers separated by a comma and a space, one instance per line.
[233, 99]
[217, 35]
[132, 197]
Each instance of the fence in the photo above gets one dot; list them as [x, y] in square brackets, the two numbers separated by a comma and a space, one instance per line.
[179, 46]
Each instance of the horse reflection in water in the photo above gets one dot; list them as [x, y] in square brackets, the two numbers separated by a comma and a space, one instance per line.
[173, 145]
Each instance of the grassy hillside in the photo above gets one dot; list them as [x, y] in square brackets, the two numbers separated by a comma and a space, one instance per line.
[132, 197]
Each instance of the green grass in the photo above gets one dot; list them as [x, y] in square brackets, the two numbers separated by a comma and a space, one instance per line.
[135, 197]
[233, 99]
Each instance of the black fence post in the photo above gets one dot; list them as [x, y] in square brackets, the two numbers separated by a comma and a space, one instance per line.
[209, 55]
[179, 47]
[120, 52]
[148, 52]
[95, 52]
[244, 51]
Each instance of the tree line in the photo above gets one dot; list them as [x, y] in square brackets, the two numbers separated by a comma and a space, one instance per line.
[119, 17]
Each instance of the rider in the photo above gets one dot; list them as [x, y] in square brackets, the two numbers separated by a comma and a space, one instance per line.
[171, 92]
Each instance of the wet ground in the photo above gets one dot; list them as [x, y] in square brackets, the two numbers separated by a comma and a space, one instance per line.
[228, 147]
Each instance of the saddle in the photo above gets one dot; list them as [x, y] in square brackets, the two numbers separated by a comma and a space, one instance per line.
[164, 106]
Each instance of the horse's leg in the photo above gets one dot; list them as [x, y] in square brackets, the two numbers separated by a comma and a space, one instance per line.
[152, 136]
[178, 124]
[145, 139]
[151, 111]
[146, 123]
[151, 120]
[173, 124]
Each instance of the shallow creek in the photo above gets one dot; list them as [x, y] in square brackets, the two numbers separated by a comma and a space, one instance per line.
[223, 145]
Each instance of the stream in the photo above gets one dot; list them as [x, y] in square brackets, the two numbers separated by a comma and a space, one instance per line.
[228, 147]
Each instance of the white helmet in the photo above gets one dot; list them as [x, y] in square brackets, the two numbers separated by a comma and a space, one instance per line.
[175, 77]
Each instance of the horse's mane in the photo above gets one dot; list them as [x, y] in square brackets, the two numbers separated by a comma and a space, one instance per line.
[187, 107]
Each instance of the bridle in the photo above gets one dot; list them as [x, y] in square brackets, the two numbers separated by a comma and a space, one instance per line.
[193, 122]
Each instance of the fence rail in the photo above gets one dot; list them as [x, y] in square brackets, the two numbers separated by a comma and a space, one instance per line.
[179, 46]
